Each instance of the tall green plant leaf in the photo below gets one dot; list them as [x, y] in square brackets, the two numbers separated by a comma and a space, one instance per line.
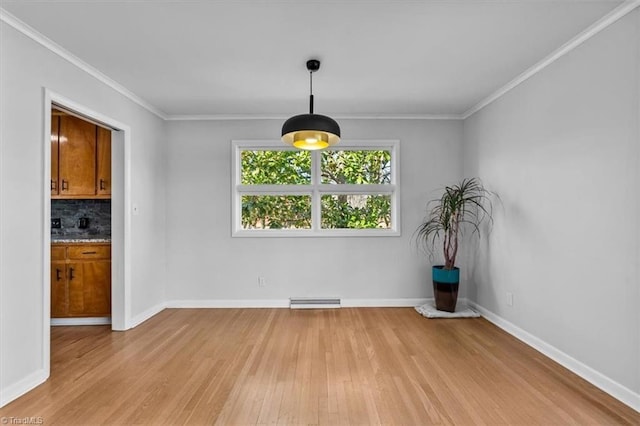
[465, 205]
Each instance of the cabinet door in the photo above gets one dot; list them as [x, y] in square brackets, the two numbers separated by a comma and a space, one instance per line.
[77, 157]
[90, 288]
[76, 289]
[97, 288]
[55, 128]
[103, 181]
[58, 289]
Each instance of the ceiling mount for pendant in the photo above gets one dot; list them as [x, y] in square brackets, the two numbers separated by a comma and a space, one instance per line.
[313, 65]
[311, 131]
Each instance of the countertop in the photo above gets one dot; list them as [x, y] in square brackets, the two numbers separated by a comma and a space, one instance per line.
[81, 240]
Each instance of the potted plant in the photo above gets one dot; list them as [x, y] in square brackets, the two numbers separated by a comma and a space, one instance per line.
[465, 205]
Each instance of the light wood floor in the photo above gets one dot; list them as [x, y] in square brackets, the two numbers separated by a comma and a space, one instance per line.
[345, 366]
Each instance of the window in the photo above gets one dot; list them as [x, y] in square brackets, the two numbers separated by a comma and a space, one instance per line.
[347, 190]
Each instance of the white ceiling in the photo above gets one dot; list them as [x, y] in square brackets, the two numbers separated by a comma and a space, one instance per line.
[248, 57]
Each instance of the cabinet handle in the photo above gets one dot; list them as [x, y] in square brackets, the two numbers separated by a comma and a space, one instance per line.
[53, 185]
[58, 277]
[88, 252]
[65, 185]
[70, 274]
[102, 185]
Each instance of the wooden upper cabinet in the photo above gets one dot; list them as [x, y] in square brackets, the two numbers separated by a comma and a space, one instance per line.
[77, 157]
[55, 129]
[103, 179]
[80, 158]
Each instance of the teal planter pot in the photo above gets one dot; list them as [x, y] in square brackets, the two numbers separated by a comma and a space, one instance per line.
[445, 287]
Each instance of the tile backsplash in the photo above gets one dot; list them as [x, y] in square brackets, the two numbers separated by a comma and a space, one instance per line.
[98, 213]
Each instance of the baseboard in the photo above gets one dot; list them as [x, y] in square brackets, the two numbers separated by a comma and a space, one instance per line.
[229, 303]
[145, 315]
[80, 321]
[18, 389]
[265, 303]
[284, 303]
[383, 303]
[613, 388]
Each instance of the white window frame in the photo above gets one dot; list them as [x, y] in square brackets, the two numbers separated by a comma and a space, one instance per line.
[315, 189]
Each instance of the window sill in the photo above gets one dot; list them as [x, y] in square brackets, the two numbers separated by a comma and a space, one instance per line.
[310, 233]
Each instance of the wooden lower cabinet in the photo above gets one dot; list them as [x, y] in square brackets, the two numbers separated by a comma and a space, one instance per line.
[81, 283]
[58, 289]
[90, 288]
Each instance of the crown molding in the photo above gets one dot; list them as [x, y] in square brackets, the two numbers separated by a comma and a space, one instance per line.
[222, 117]
[613, 16]
[576, 41]
[38, 37]
[49, 44]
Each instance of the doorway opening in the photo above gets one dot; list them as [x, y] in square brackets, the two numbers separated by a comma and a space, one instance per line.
[80, 219]
[120, 222]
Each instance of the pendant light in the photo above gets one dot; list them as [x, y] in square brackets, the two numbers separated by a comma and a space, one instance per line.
[311, 131]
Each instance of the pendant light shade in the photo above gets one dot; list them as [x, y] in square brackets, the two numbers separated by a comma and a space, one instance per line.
[311, 131]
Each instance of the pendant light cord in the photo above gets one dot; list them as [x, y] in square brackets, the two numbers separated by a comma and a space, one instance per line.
[310, 92]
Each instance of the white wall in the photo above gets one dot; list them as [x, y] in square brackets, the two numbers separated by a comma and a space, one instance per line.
[562, 151]
[25, 69]
[206, 263]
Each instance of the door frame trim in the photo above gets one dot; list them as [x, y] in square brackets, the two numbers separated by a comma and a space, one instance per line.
[120, 217]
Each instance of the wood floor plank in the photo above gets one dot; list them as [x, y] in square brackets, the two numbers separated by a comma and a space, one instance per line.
[321, 367]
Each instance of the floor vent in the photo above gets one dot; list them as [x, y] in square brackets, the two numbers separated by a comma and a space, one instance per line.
[314, 302]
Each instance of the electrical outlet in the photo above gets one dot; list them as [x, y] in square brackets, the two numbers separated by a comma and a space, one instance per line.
[509, 299]
[83, 223]
[56, 223]
[262, 282]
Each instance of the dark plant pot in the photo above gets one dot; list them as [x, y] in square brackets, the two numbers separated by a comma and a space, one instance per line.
[445, 287]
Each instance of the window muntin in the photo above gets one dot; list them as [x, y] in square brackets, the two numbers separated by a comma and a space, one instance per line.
[347, 190]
